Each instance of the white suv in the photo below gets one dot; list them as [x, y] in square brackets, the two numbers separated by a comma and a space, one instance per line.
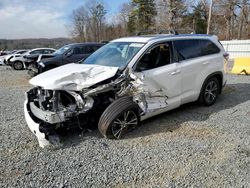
[124, 82]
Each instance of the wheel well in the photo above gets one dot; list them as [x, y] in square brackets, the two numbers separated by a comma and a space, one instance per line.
[219, 78]
[18, 61]
[217, 75]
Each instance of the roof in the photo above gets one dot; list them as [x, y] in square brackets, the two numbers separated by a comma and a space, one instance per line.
[147, 38]
[85, 43]
[42, 49]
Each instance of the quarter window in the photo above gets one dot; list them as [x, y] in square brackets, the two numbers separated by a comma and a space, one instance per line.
[208, 47]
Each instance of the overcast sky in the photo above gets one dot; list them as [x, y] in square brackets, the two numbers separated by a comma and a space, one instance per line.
[41, 18]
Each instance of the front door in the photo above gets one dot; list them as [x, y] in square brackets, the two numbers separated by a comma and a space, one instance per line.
[161, 78]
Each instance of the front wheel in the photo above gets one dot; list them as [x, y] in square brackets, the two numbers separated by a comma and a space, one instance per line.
[119, 118]
[210, 92]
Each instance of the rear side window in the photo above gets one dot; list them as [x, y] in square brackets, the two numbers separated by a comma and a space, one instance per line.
[37, 52]
[208, 47]
[47, 51]
[90, 49]
[188, 49]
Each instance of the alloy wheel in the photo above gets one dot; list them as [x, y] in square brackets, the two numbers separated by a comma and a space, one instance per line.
[18, 65]
[121, 124]
[211, 91]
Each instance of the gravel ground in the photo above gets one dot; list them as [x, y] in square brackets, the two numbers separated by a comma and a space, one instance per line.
[192, 146]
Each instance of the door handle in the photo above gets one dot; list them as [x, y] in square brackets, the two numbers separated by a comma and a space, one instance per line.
[205, 63]
[175, 72]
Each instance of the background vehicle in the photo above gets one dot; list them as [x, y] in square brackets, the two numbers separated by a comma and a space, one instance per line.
[124, 82]
[2, 53]
[21, 62]
[1, 61]
[17, 53]
[71, 53]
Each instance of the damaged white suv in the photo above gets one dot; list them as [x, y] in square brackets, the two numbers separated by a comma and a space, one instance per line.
[124, 82]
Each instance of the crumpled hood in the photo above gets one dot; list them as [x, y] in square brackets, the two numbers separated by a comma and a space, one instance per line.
[73, 77]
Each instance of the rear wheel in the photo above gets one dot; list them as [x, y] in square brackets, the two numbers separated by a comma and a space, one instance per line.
[210, 92]
[17, 65]
[120, 117]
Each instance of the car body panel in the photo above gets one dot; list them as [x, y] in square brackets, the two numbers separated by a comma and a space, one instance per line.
[73, 77]
[164, 95]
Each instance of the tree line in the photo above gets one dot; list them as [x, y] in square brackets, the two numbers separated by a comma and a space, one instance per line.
[228, 18]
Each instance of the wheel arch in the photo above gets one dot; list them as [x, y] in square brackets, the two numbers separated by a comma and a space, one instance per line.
[218, 75]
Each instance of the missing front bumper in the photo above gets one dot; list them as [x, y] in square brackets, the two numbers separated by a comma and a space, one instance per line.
[34, 127]
[47, 116]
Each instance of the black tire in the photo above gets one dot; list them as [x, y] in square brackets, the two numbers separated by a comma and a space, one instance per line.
[209, 92]
[18, 65]
[111, 120]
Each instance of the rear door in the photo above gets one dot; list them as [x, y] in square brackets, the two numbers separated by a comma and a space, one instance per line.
[162, 78]
[195, 67]
[189, 56]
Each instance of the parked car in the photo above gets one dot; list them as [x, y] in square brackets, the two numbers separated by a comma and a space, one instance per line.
[1, 61]
[21, 62]
[125, 82]
[3, 53]
[15, 54]
[71, 53]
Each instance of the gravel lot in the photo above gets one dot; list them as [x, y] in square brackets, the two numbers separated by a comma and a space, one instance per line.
[192, 146]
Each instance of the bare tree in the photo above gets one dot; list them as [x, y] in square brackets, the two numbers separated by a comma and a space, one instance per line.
[243, 22]
[79, 23]
[123, 16]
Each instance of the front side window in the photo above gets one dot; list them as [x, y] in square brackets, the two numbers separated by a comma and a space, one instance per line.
[157, 56]
[21, 52]
[114, 54]
[48, 51]
[63, 49]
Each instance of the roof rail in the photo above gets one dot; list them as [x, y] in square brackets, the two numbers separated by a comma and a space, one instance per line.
[149, 31]
[166, 31]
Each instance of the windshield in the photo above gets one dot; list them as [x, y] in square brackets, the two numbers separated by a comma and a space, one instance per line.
[62, 49]
[114, 54]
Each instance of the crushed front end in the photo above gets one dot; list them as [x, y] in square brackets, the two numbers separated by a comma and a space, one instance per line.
[46, 111]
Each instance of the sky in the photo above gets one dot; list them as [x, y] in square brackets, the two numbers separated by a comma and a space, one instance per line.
[42, 18]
